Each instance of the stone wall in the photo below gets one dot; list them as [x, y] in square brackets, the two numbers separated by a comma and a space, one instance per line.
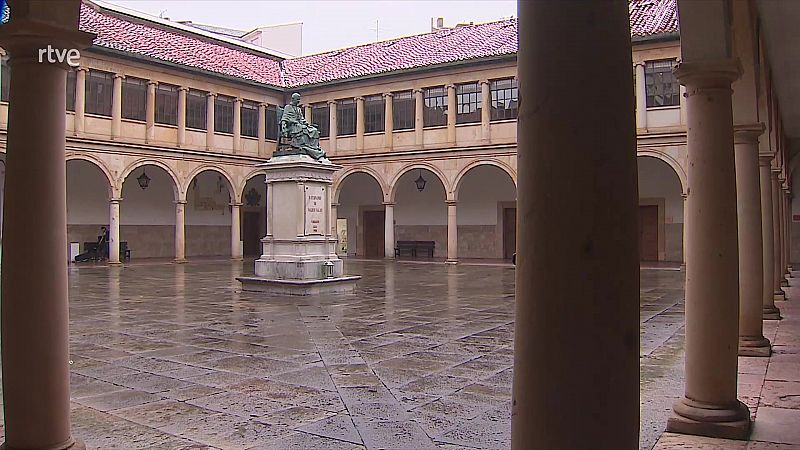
[158, 241]
[436, 233]
[673, 242]
[478, 241]
[208, 240]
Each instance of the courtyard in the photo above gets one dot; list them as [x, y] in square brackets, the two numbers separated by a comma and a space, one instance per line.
[173, 356]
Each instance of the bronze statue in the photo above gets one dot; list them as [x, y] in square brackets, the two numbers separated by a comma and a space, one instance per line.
[296, 133]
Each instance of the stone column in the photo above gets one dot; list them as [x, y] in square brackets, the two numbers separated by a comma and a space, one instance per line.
[788, 218]
[388, 120]
[709, 406]
[35, 303]
[211, 97]
[785, 225]
[782, 226]
[80, 100]
[360, 124]
[451, 113]
[684, 196]
[597, 319]
[150, 112]
[770, 312]
[262, 129]
[641, 97]
[388, 238]
[113, 231]
[236, 232]
[751, 268]
[180, 231]
[486, 111]
[182, 91]
[334, 216]
[331, 127]
[237, 124]
[778, 293]
[452, 232]
[419, 122]
[116, 106]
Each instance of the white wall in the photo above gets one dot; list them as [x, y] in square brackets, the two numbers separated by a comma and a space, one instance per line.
[152, 206]
[413, 207]
[658, 180]
[481, 190]
[208, 200]
[87, 194]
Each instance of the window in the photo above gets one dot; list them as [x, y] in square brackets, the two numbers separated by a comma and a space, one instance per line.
[434, 111]
[320, 117]
[505, 100]
[272, 123]
[345, 117]
[167, 104]
[249, 126]
[5, 80]
[660, 83]
[71, 81]
[223, 114]
[403, 110]
[98, 93]
[134, 98]
[196, 109]
[374, 109]
[468, 103]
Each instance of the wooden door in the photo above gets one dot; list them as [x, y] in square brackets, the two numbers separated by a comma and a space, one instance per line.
[374, 234]
[251, 222]
[509, 232]
[648, 233]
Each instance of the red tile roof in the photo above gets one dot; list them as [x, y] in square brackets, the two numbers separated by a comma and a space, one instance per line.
[462, 43]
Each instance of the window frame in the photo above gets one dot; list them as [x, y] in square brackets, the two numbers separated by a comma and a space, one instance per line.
[72, 83]
[191, 115]
[510, 95]
[346, 115]
[166, 112]
[271, 123]
[248, 108]
[374, 114]
[324, 126]
[98, 102]
[223, 114]
[126, 108]
[434, 106]
[402, 104]
[468, 96]
[657, 75]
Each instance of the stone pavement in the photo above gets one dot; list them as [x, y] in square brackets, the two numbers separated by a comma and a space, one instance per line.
[173, 356]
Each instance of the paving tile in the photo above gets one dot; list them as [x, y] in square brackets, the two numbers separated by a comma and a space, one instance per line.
[118, 399]
[777, 425]
[338, 427]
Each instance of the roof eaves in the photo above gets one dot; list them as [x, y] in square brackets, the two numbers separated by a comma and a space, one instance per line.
[657, 37]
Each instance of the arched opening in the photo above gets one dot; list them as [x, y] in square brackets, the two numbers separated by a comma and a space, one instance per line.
[487, 213]
[88, 195]
[147, 212]
[254, 215]
[208, 215]
[361, 217]
[421, 215]
[660, 211]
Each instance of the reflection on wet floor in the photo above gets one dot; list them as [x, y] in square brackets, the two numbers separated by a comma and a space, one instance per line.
[171, 356]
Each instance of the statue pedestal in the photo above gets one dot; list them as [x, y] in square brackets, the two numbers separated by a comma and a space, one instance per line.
[299, 253]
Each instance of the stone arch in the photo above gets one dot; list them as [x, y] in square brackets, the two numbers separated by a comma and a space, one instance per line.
[235, 197]
[113, 189]
[176, 186]
[243, 185]
[339, 183]
[430, 167]
[670, 161]
[482, 162]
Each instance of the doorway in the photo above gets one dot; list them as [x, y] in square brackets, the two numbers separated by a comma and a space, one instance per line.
[509, 232]
[250, 233]
[374, 234]
[648, 233]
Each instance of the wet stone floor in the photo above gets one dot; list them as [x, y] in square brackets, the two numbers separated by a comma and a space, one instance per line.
[175, 357]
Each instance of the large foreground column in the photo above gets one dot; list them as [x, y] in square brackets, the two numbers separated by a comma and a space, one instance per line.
[778, 293]
[577, 266]
[388, 237]
[35, 309]
[751, 269]
[709, 406]
[770, 312]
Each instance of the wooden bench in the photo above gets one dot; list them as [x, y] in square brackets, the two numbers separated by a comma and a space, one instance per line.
[415, 248]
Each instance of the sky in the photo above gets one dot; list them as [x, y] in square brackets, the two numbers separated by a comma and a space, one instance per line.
[329, 24]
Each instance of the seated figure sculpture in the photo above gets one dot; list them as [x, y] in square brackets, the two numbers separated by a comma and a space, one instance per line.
[297, 133]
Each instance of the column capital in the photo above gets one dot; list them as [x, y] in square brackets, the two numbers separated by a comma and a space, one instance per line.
[117, 76]
[639, 64]
[684, 195]
[82, 69]
[418, 91]
[184, 88]
[211, 94]
[152, 83]
[334, 205]
[775, 171]
[116, 200]
[359, 98]
[235, 204]
[748, 133]
[388, 94]
[331, 102]
[263, 104]
[238, 100]
[388, 204]
[707, 74]
[450, 86]
[180, 202]
[451, 202]
[484, 81]
[781, 176]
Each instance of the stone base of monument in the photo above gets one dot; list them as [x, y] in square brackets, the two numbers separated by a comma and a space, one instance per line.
[299, 252]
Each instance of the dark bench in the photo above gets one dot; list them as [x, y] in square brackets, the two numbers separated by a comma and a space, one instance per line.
[414, 248]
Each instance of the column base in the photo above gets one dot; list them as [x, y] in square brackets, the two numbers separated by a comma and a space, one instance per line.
[114, 263]
[779, 295]
[451, 261]
[179, 260]
[691, 417]
[72, 444]
[758, 346]
[784, 282]
[772, 313]
[789, 274]
[237, 258]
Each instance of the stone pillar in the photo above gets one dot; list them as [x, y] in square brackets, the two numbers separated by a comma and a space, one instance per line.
[211, 97]
[388, 120]
[331, 127]
[237, 124]
[451, 113]
[307, 113]
[35, 303]
[751, 268]
[236, 232]
[709, 406]
[113, 231]
[150, 112]
[684, 196]
[359, 124]
[80, 100]
[785, 224]
[182, 91]
[334, 216]
[641, 97]
[116, 106]
[388, 238]
[597, 386]
[262, 129]
[486, 111]
[180, 231]
[778, 293]
[782, 226]
[788, 219]
[452, 232]
[419, 122]
[770, 312]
